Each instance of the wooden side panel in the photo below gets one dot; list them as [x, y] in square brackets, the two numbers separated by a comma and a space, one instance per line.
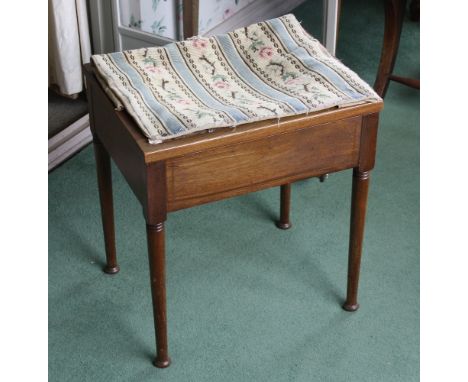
[368, 146]
[122, 147]
[250, 166]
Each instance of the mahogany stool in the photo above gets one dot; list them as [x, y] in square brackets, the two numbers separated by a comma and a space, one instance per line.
[207, 167]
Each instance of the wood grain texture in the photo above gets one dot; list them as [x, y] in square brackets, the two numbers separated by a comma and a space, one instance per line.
[284, 221]
[361, 178]
[190, 14]
[356, 236]
[157, 266]
[253, 165]
[104, 178]
[108, 126]
[155, 206]
[252, 131]
[368, 144]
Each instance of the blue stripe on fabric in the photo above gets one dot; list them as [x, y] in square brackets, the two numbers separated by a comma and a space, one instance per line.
[246, 74]
[166, 117]
[311, 62]
[184, 72]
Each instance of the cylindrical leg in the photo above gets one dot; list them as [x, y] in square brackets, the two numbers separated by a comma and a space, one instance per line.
[358, 215]
[104, 177]
[284, 222]
[156, 256]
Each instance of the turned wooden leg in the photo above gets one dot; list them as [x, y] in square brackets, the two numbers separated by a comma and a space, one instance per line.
[358, 216]
[156, 256]
[104, 177]
[284, 222]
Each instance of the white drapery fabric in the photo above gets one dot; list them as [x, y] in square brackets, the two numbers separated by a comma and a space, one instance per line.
[69, 44]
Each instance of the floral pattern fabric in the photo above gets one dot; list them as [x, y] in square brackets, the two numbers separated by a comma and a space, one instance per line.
[268, 70]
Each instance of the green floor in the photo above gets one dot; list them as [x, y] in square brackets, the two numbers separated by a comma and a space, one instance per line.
[246, 301]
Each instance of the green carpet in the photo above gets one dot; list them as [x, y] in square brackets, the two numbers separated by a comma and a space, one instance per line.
[246, 301]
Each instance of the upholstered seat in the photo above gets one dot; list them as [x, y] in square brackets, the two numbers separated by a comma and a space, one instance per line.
[268, 70]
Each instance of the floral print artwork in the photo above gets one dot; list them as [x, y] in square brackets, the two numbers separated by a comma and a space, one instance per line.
[133, 22]
[158, 27]
[158, 17]
[214, 12]
[165, 17]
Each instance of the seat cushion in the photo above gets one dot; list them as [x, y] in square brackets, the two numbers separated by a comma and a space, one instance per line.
[268, 70]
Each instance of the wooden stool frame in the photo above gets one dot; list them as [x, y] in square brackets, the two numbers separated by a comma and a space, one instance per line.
[227, 162]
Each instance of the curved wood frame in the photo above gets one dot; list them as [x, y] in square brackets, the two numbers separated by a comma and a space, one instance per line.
[394, 14]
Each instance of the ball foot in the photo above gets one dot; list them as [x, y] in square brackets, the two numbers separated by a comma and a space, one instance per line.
[281, 225]
[111, 270]
[162, 363]
[350, 307]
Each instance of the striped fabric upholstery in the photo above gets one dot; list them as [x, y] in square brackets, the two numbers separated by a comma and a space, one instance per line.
[268, 70]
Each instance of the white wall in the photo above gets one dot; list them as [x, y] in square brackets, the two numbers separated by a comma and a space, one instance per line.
[156, 22]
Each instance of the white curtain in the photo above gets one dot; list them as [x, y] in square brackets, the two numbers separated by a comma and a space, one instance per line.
[69, 44]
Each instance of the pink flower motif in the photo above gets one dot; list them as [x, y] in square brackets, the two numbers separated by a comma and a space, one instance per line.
[221, 85]
[183, 102]
[199, 43]
[266, 52]
[293, 81]
[153, 69]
